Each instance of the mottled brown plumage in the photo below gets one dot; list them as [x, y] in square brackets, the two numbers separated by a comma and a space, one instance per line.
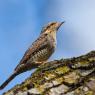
[39, 51]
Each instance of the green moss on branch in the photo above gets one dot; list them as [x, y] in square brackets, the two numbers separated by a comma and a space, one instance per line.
[74, 76]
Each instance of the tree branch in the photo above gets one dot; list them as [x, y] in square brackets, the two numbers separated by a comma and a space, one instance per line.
[73, 76]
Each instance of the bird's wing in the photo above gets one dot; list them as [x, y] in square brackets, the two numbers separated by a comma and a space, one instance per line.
[40, 43]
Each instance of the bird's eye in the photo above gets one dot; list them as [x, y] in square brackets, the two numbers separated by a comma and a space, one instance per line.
[46, 34]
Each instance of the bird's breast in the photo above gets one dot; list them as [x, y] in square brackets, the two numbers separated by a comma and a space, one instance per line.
[42, 55]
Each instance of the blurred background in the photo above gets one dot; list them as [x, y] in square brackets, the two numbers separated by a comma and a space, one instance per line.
[22, 20]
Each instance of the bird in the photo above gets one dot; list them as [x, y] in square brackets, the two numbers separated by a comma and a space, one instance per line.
[39, 52]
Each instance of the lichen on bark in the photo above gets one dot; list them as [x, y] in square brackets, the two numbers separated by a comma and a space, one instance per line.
[73, 76]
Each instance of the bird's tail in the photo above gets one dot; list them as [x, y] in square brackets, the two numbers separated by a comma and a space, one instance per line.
[8, 80]
[20, 69]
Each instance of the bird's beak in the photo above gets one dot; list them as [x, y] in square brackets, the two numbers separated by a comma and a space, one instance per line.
[60, 24]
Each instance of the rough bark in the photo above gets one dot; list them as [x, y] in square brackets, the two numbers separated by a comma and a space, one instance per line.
[73, 76]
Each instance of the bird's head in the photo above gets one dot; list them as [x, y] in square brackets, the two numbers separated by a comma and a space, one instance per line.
[51, 27]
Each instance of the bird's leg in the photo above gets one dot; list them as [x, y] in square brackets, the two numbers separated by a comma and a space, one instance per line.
[39, 62]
